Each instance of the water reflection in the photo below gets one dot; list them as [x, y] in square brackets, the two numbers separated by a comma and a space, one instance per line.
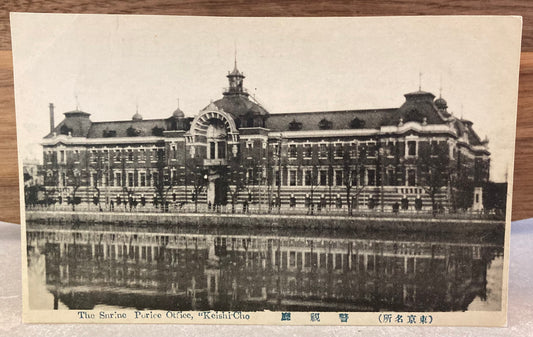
[83, 266]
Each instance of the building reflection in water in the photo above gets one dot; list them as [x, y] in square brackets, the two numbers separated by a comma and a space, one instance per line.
[169, 269]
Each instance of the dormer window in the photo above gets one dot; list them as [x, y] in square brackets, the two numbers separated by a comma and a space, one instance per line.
[133, 132]
[109, 133]
[65, 130]
[295, 126]
[157, 131]
[324, 124]
[357, 123]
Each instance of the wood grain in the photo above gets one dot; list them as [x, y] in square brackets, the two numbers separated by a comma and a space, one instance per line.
[523, 174]
[273, 8]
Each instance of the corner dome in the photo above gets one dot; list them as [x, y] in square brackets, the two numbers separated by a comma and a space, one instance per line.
[178, 113]
[441, 103]
[137, 117]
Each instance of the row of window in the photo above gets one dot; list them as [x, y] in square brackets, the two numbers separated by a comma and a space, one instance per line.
[130, 179]
[353, 179]
[320, 178]
[217, 150]
[105, 155]
[368, 149]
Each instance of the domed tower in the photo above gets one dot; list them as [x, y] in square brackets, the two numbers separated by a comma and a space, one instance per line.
[178, 121]
[441, 104]
[137, 117]
[244, 109]
[236, 79]
[178, 113]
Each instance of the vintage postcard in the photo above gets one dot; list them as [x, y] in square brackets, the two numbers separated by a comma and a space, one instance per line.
[286, 171]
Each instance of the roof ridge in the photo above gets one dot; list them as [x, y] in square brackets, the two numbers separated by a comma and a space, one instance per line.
[332, 111]
[131, 121]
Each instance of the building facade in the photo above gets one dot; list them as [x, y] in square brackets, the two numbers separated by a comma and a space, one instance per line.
[234, 152]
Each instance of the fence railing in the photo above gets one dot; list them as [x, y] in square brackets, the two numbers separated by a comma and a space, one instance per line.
[273, 210]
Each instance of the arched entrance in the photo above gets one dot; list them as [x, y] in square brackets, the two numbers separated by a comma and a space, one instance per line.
[216, 130]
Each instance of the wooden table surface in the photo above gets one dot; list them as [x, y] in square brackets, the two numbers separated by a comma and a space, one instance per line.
[523, 174]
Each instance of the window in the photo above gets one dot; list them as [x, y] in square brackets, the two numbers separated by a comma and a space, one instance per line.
[95, 179]
[353, 151]
[130, 179]
[391, 181]
[292, 151]
[354, 178]
[338, 261]
[292, 259]
[174, 177]
[307, 150]
[323, 177]
[323, 151]
[62, 156]
[371, 150]
[338, 178]
[411, 177]
[276, 174]
[411, 148]
[292, 177]
[212, 150]
[249, 176]
[308, 178]
[166, 178]
[339, 151]
[143, 179]
[371, 177]
[130, 155]
[155, 179]
[118, 179]
[275, 148]
[307, 261]
[249, 145]
[221, 149]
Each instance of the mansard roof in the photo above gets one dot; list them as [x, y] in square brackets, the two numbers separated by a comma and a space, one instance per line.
[463, 126]
[418, 106]
[120, 128]
[341, 119]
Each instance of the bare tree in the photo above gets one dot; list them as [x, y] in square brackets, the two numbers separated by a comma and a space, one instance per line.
[235, 178]
[353, 169]
[433, 165]
[196, 177]
[75, 180]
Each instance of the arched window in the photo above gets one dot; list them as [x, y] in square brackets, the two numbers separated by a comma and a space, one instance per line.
[216, 138]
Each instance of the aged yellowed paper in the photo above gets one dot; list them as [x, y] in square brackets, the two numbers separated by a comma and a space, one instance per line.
[286, 171]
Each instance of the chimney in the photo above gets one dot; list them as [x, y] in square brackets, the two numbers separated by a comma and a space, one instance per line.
[52, 124]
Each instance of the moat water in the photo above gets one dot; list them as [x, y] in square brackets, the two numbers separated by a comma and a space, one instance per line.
[191, 268]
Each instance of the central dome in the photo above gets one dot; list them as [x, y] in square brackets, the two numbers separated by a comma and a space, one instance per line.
[240, 106]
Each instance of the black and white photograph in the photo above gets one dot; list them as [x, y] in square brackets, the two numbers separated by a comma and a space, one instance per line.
[215, 170]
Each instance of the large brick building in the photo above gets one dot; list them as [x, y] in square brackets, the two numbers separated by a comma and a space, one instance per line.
[416, 156]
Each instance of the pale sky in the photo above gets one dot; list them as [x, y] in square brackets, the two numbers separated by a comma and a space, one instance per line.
[113, 63]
